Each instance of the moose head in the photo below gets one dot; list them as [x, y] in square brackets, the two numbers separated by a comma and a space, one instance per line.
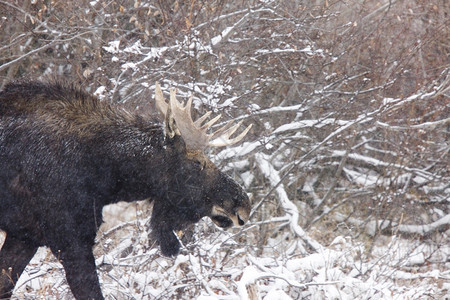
[195, 187]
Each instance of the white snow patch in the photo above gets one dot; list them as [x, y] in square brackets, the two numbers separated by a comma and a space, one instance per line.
[113, 47]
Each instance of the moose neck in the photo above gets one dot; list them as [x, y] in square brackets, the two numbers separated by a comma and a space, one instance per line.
[135, 161]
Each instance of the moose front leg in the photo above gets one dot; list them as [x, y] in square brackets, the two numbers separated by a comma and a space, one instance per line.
[163, 225]
[81, 272]
[14, 257]
[170, 246]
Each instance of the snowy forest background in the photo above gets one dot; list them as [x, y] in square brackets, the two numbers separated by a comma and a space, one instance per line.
[347, 163]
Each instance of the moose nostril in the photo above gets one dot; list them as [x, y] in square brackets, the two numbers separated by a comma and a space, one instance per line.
[240, 221]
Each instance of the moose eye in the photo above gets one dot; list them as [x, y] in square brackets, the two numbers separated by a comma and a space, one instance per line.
[201, 165]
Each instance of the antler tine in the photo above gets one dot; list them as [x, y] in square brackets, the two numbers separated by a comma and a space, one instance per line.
[174, 102]
[224, 133]
[200, 120]
[221, 131]
[210, 123]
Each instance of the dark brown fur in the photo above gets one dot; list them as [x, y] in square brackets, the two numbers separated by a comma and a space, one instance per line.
[65, 154]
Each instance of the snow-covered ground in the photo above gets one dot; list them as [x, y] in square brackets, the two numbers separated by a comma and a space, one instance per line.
[227, 265]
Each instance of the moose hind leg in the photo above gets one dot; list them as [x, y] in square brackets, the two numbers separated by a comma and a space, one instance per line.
[14, 257]
[81, 272]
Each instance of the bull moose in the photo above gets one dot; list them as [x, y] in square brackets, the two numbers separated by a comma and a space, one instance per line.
[64, 154]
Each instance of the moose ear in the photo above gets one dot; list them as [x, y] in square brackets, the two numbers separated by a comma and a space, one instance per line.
[171, 126]
[173, 137]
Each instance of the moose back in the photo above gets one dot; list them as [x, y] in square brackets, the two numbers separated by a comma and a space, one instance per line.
[64, 155]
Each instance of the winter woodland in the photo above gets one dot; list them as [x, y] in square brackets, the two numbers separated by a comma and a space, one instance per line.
[347, 164]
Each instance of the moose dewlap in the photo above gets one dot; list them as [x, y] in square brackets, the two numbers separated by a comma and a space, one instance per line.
[64, 155]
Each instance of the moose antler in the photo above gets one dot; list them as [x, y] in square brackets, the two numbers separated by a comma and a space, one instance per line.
[195, 133]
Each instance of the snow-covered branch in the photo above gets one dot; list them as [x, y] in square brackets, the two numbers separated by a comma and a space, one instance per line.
[291, 209]
[425, 126]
